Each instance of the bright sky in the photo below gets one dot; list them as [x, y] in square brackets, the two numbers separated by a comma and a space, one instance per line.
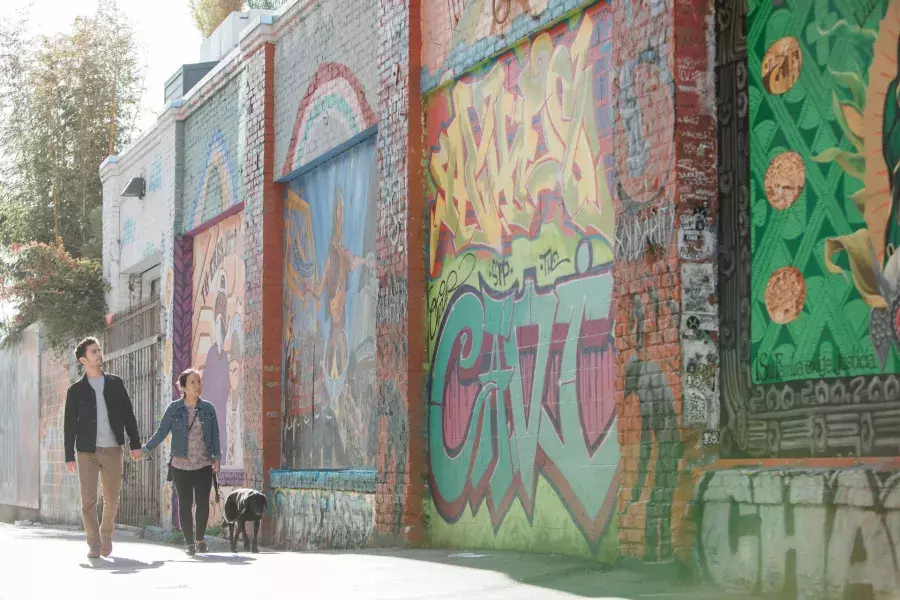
[165, 33]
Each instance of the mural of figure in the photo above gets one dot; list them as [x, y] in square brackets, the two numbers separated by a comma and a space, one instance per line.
[218, 329]
[328, 350]
[216, 375]
[333, 283]
[339, 263]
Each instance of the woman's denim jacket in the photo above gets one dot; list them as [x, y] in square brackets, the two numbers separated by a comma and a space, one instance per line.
[175, 420]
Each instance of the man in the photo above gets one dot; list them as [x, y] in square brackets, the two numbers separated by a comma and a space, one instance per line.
[98, 409]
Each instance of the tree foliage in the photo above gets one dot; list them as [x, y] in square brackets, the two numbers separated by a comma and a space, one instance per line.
[209, 14]
[45, 283]
[69, 101]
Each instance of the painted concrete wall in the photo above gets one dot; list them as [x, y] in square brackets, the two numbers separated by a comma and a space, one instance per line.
[20, 382]
[134, 229]
[523, 443]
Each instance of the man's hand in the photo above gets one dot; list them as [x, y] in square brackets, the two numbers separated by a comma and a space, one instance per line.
[70, 467]
[216, 466]
[137, 455]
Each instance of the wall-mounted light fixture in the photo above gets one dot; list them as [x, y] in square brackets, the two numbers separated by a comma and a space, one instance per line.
[135, 188]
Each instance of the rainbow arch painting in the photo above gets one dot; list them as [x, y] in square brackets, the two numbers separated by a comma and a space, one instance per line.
[218, 168]
[334, 93]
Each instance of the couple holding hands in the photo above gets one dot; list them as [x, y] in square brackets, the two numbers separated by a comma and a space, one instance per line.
[98, 413]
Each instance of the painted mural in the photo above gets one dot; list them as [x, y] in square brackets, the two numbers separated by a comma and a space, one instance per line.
[218, 184]
[330, 291]
[521, 414]
[825, 197]
[459, 34]
[334, 107]
[809, 357]
[218, 329]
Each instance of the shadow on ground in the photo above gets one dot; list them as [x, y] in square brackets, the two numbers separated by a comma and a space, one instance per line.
[121, 566]
[572, 575]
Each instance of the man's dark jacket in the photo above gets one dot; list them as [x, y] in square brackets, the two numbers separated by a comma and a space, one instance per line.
[81, 415]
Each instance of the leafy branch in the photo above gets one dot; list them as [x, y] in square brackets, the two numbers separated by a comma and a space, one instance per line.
[45, 283]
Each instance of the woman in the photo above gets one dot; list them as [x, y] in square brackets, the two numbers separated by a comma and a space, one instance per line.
[195, 454]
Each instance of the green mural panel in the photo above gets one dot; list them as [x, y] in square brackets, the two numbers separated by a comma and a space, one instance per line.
[824, 151]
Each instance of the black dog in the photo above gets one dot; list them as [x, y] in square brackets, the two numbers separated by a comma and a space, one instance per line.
[241, 506]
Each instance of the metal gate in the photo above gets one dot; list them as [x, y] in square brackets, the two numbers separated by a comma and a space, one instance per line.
[132, 351]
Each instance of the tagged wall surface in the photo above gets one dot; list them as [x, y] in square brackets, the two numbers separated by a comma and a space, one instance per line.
[330, 291]
[816, 534]
[218, 329]
[521, 414]
[20, 422]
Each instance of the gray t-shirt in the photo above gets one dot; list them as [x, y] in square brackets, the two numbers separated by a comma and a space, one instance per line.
[105, 436]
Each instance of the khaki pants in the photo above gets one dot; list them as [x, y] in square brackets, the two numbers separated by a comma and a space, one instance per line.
[107, 464]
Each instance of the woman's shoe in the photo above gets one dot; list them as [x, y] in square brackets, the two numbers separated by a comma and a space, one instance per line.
[191, 550]
[202, 547]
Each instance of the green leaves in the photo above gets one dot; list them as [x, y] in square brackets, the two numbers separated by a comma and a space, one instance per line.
[66, 102]
[45, 283]
[852, 163]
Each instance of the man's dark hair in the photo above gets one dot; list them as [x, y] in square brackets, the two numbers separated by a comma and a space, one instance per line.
[81, 348]
[182, 379]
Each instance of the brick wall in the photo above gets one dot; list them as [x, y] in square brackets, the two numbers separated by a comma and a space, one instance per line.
[60, 492]
[458, 36]
[401, 278]
[326, 79]
[257, 249]
[666, 322]
[212, 158]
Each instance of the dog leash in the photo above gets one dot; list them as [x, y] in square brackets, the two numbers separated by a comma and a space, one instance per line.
[218, 504]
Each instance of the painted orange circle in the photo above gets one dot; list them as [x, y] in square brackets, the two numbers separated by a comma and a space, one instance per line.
[785, 295]
[781, 65]
[785, 179]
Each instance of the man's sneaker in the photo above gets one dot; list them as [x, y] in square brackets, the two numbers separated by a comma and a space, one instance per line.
[105, 546]
[202, 547]
[191, 550]
[94, 552]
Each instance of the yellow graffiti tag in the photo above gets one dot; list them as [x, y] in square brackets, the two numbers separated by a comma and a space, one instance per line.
[499, 181]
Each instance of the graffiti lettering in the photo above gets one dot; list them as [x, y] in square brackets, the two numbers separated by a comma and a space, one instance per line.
[550, 260]
[492, 164]
[550, 354]
[500, 272]
[445, 289]
[774, 367]
[805, 535]
[635, 232]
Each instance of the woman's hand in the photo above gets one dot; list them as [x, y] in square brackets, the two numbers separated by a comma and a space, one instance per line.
[216, 466]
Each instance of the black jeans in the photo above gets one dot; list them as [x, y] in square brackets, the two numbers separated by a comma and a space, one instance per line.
[193, 487]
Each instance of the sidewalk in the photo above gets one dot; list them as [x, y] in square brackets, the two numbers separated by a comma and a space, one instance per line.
[157, 570]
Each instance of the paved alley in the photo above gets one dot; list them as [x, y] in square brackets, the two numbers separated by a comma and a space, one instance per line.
[40, 562]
